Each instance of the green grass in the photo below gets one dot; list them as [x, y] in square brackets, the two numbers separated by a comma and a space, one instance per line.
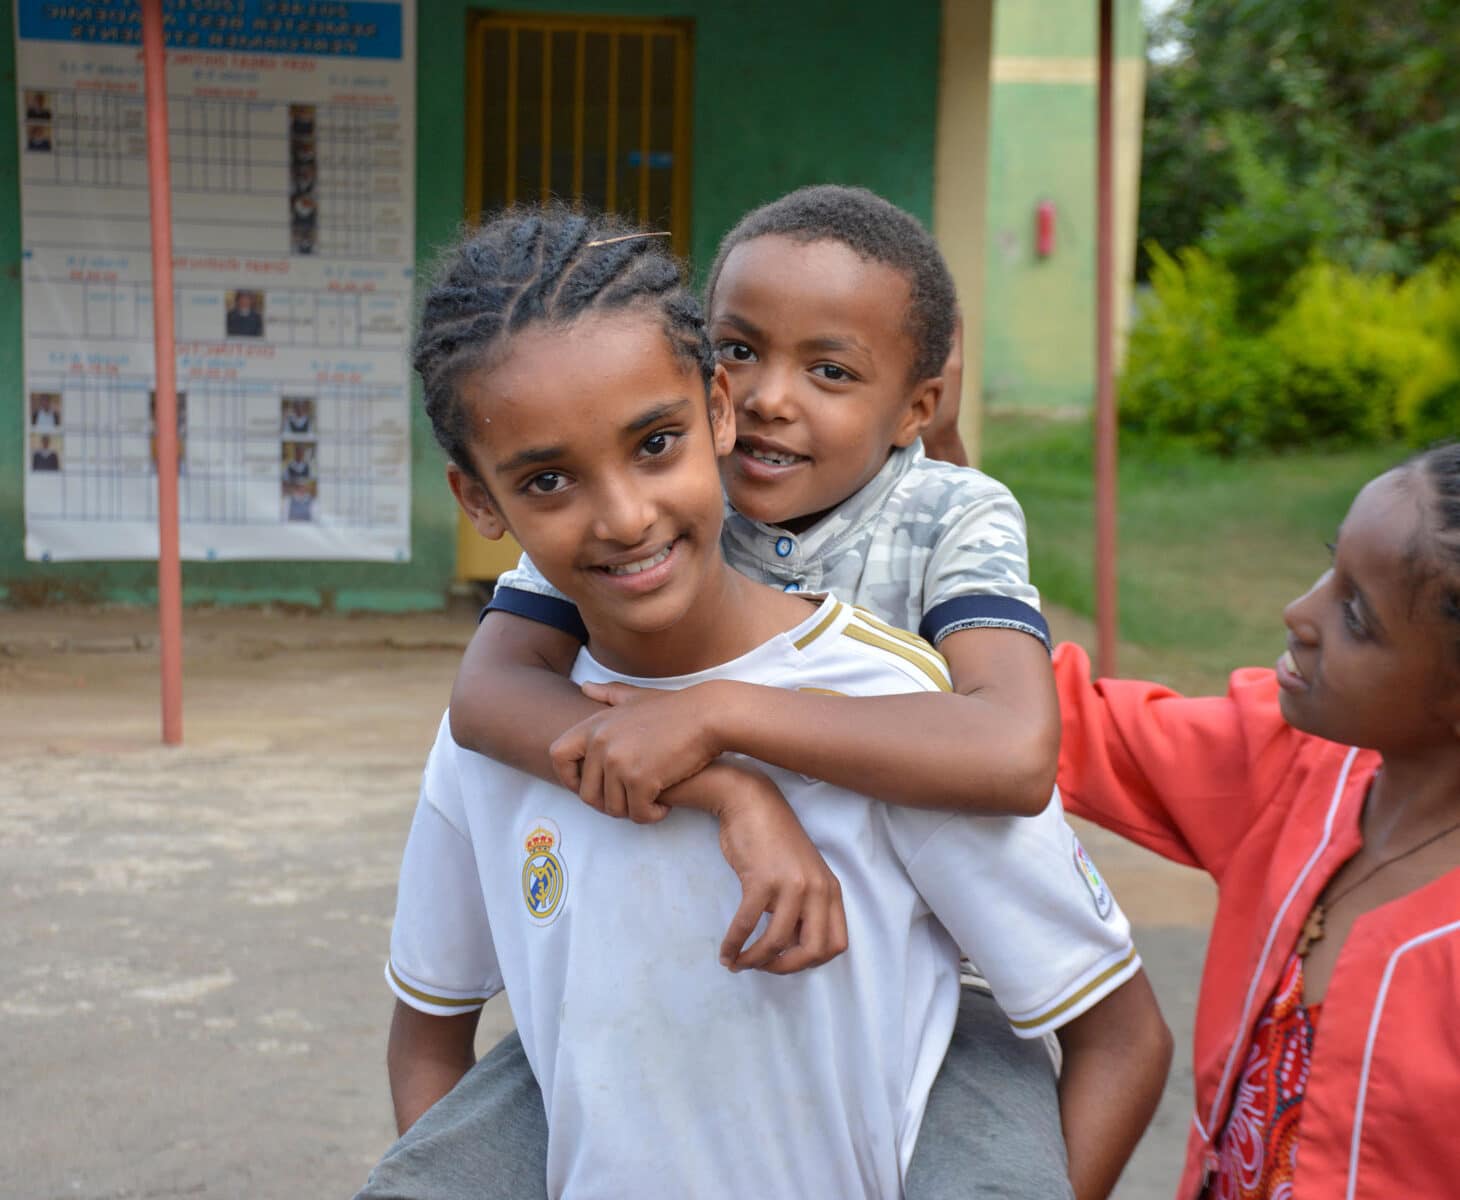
[1210, 550]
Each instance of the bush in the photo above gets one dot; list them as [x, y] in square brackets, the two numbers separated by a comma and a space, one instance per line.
[1437, 416]
[1348, 359]
[1428, 405]
[1352, 343]
[1191, 372]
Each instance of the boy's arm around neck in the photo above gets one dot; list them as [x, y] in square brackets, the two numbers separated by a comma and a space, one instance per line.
[992, 746]
[513, 697]
[512, 694]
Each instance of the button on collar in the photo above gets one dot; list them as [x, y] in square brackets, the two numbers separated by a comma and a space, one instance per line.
[784, 546]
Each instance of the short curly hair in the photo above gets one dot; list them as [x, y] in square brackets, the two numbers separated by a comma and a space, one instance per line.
[878, 231]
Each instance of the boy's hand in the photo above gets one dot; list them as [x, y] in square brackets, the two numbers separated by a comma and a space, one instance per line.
[621, 759]
[781, 872]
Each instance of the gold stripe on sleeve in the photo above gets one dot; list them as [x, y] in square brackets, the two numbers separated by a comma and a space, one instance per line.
[902, 635]
[821, 691]
[921, 660]
[821, 627]
[427, 998]
[1065, 1006]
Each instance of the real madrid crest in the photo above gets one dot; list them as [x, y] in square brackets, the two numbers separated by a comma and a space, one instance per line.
[544, 875]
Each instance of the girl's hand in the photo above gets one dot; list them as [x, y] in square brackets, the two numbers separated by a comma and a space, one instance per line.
[781, 873]
[621, 759]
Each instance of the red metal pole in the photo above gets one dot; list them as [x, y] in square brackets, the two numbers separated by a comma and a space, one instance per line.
[1106, 621]
[159, 186]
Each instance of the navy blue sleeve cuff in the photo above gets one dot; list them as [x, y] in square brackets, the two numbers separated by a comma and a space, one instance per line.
[983, 612]
[546, 610]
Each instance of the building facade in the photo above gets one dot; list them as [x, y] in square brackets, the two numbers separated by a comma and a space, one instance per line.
[969, 113]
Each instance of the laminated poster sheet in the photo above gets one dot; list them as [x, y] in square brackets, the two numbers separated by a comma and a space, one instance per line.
[292, 139]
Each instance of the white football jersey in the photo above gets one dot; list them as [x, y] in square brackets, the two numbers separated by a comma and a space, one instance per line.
[662, 1072]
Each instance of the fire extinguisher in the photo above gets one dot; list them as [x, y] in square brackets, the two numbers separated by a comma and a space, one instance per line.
[1044, 228]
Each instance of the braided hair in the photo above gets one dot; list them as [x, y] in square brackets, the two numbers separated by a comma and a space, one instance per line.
[1440, 468]
[878, 231]
[531, 265]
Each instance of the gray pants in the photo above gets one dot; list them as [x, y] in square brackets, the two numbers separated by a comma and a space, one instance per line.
[992, 1127]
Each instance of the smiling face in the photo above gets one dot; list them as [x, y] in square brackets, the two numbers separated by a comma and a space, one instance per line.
[1370, 658]
[594, 448]
[820, 364]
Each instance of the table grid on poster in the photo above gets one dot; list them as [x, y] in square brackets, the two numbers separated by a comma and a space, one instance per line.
[232, 452]
[231, 148]
[314, 318]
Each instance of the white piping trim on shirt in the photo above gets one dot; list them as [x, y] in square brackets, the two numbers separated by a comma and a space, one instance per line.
[1418, 940]
[1237, 1046]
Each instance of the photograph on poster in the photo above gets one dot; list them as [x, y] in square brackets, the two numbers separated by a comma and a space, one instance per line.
[45, 452]
[296, 415]
[37, 106]
[298, 462]
[296, 499]
[38, 137]
[45, 410]
[245, 316]
[301, 120]
[301, 179]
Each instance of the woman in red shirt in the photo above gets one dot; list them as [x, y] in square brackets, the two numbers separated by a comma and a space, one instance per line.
[1324, 799]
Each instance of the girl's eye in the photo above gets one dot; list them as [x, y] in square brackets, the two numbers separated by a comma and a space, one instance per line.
[545, 484]
[656, 445]
[735, 352]
[833, 373]
[1351, 619]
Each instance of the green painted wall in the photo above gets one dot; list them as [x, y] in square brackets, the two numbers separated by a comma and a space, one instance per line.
[1039, 339]
[784, 94]
[1063, 28]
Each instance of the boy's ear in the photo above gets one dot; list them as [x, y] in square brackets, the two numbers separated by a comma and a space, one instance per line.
[476, 502]
[921, 408]
[722, 412]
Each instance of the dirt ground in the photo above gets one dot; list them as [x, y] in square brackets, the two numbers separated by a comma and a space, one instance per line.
[193, 938]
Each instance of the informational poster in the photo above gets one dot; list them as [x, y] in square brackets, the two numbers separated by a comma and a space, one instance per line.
[291, 129]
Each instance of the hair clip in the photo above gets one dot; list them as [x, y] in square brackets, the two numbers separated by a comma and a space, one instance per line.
[626, 237]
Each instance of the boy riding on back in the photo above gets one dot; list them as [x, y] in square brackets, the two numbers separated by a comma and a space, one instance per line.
[831, 315]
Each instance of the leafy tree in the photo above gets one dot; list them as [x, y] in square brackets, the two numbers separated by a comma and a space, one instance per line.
[1280, 127]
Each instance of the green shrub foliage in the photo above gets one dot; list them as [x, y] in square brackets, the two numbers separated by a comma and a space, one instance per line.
[1345, 358]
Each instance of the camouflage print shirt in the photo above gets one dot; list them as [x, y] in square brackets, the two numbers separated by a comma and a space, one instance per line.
[925, 545]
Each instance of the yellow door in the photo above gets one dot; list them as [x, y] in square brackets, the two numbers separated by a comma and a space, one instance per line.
[586, 109]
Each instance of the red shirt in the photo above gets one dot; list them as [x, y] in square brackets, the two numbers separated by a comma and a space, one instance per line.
[1224, 784]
